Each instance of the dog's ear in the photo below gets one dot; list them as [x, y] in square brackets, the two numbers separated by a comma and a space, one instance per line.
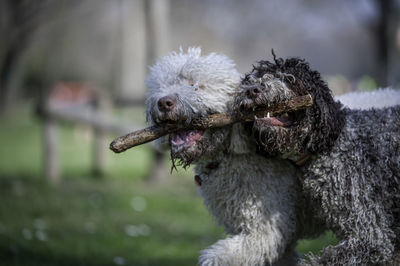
[240, 140]
[326, 120]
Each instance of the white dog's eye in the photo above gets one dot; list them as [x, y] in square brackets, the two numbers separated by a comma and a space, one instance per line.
[195, 85]
[191, 82]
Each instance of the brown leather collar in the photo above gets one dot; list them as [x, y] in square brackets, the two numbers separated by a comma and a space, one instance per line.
[212, 165]
[301, 159]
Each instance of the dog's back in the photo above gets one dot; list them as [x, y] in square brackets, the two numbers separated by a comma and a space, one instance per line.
[375, 133]
[368, 149]
[363, 100]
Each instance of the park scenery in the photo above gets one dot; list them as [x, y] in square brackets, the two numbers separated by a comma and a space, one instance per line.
[72, 79]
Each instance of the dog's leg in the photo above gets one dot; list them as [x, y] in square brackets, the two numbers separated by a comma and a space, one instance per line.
[364, 229]
[290, 257]
[254, 199]
[249, 249]
[394, 261]
[349, 252]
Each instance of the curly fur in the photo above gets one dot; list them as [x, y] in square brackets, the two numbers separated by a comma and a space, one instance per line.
[314, 130]
[252, 197]
[352, 181]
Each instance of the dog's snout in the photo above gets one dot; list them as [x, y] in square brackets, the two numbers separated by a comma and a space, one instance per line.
[166, 103]
[254, 92]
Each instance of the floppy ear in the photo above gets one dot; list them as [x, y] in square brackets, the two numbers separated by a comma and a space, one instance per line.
[327, 121]
[240, 141]
[324, 120]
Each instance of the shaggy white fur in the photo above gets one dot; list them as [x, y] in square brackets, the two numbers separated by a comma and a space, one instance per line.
[203, 82]
[252, 197]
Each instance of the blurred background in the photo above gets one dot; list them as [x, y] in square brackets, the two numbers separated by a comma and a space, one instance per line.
[72, 78]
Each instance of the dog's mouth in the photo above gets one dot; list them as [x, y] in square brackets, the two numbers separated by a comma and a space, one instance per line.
[185, 138]
[282, 120]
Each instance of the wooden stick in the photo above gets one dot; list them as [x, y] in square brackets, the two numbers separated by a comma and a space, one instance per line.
[216, 120]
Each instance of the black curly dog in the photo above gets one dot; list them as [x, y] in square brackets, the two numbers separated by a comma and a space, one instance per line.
[349, 161]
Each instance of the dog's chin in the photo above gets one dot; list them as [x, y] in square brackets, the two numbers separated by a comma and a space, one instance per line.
[187, 145]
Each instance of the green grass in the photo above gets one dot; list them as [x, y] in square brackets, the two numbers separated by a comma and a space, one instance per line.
[87, 221]
[91, 223]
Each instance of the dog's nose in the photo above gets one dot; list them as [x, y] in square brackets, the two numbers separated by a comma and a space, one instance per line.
[166, 103]
[253, 92]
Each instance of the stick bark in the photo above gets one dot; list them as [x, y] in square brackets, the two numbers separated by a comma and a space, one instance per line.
[215, 120]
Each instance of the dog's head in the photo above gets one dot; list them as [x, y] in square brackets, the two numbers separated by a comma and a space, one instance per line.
[311, 130]
[184, 86]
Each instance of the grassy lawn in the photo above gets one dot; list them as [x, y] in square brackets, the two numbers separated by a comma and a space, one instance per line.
[117, 220]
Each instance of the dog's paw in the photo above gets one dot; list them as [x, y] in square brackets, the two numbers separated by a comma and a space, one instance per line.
[310, 261]
[211, 257]
[205, 260]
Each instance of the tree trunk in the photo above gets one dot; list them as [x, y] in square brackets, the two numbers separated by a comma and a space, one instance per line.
[6, 70]
[157, 33]
[51, 154]
[382, 41]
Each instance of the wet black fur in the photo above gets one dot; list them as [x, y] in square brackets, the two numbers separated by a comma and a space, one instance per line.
[314, 129]
[352, 183]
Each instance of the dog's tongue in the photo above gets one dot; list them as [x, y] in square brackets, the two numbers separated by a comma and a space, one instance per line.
[277, 121]
[177, 139]
[185, 137]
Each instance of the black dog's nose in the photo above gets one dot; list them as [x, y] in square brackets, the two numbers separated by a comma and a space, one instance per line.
[166, 103]
[253, 92]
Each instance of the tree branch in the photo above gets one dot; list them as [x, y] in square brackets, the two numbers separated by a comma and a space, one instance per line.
[216, 120]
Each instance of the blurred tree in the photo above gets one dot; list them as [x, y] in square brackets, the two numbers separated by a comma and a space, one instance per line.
[19, 20]
[157, 38]
[393, 34]
[382, 32]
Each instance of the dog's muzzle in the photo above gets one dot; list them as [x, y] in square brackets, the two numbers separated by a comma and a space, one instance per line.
[167, 109]
[167, 103]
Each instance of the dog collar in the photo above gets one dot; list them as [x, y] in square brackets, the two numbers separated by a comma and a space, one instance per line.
[301, 159]
[197, 180]
[212, 165]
